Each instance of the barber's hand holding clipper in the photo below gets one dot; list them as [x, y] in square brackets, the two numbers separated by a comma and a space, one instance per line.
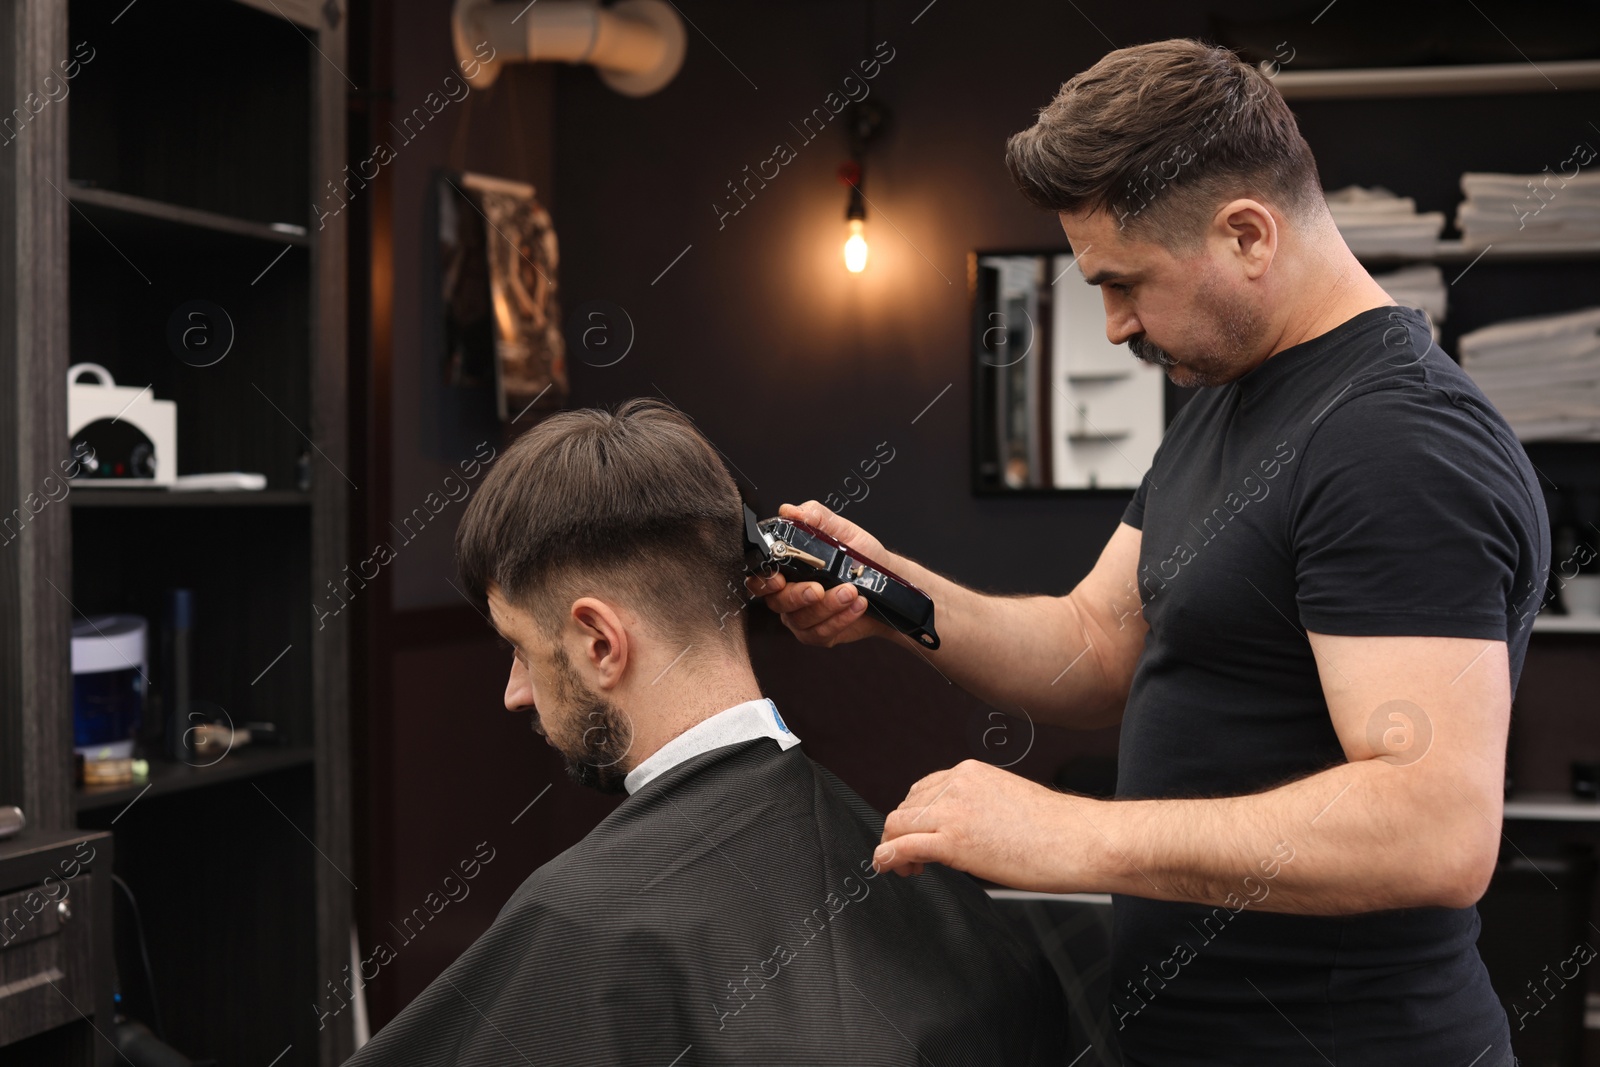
[826, 617]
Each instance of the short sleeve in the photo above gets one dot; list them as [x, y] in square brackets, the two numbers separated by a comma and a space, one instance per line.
[1407, 519]
[1133, 514]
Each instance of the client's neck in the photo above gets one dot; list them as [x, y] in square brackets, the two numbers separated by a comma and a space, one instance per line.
[678, 695]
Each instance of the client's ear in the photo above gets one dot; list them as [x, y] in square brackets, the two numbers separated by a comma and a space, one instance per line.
[603, 641]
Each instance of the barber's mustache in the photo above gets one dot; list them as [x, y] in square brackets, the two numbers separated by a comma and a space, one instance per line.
[1150, 352]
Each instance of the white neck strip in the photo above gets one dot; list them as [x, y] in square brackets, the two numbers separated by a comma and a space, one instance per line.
[742, 722]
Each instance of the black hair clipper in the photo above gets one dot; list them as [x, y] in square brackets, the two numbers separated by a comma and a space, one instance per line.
[803, 553]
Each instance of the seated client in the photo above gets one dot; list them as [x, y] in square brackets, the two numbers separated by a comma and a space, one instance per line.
[727, 911]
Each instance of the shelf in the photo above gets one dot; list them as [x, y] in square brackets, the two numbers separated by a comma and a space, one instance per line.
[1567, 624]
[103, 202]
[83, 497]
[168, 777]
[1448, 80]
[1454, 251]
[1552, 807]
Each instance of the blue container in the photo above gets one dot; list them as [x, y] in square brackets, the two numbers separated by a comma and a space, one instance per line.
[109, 672]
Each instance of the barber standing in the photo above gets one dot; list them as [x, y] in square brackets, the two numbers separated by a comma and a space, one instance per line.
[1310, 621]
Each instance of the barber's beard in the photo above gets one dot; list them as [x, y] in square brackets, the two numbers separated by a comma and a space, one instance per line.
[605, 733]
[1223, 355]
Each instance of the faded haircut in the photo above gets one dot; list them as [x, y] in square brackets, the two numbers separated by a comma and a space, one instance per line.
[632, 506]
[1161, 135]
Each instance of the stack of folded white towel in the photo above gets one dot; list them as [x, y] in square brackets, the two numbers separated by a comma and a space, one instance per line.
[1542, 373]
[1376, 222]
[1420, 286]
[1553, 208]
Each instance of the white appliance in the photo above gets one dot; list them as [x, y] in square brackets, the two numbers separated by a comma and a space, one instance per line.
[131, 437]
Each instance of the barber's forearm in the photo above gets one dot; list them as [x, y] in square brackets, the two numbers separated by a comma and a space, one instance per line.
[1361, 836]
[1028, 652]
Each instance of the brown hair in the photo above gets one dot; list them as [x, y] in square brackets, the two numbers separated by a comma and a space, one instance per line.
[633, 506]
[1159, 136]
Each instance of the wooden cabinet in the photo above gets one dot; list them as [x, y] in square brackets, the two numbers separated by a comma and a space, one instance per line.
[169, 154]
[55, 947]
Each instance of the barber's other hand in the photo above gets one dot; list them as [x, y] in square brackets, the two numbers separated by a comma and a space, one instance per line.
[996, 825]
[840, 616]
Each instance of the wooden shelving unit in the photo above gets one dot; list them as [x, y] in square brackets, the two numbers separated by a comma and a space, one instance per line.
[1503, 280]
[183, 173]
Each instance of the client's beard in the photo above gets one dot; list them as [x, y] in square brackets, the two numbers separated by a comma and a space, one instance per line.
[607, 734]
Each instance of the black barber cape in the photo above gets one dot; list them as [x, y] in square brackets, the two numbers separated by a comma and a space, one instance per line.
[727, 913]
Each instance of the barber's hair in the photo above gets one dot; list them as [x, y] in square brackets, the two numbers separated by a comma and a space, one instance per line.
[634, 507]
[1161, 135]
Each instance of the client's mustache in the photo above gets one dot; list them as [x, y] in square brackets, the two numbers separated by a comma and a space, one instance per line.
[1150, 352]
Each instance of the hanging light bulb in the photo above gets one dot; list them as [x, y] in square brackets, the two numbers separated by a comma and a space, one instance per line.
[855, 247]
[862, 122]
[855, 241]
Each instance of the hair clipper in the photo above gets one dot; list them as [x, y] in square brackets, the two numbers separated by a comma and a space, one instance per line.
[803, 553]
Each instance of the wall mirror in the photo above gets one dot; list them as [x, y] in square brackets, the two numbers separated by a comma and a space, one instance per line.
[1056, 407]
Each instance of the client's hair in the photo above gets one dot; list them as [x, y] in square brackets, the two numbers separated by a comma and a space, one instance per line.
[1160, 136]
[633, 506]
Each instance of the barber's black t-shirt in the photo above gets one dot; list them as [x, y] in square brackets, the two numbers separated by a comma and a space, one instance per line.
[1358, 483]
